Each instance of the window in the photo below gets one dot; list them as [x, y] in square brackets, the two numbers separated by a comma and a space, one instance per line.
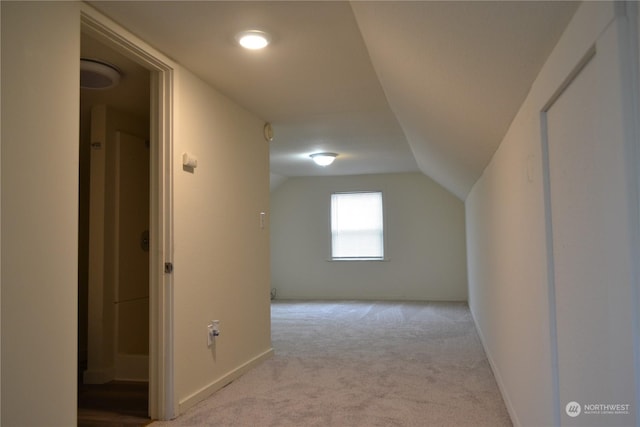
[357, 231]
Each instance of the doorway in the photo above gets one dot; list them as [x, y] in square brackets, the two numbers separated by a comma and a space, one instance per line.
[161, 404]
[113, 315]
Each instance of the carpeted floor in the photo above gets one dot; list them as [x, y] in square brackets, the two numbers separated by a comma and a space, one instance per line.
[362, 364]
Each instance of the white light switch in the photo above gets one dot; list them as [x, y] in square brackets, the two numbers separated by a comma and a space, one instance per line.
[262, 217]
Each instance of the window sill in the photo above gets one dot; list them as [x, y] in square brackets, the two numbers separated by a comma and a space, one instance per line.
[358, 259]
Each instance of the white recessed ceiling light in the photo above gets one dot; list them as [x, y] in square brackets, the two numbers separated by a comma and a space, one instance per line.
[323, 159]
[253, 39]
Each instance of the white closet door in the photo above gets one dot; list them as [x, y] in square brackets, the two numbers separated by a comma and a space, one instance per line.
[590, 191]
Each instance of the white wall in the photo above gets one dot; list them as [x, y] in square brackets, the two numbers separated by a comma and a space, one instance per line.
[425, 241]
[40, 120]
[221, 253]
[510, 293]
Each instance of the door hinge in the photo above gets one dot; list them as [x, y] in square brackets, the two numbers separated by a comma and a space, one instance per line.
[168, 267]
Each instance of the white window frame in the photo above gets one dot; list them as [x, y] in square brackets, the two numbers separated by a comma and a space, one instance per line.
[384, 229]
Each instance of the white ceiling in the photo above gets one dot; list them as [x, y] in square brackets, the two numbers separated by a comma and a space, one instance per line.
[395, 86]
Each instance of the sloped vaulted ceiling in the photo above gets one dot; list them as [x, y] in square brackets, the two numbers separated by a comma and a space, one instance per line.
[395, 86]
[455, 74]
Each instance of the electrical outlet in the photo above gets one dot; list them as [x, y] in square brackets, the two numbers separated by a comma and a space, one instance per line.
[210, 335]
[215, 325]
[213, 330]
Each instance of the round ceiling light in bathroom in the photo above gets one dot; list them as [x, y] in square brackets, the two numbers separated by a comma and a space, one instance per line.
[96, 74]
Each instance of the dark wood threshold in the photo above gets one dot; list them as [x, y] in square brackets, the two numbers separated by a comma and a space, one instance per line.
[117, 403]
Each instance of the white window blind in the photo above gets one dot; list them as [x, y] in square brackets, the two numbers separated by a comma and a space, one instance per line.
[357, 226]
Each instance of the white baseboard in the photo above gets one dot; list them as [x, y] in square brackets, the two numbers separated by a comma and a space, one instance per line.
[496, 374]
[208, 390]
[132, 367]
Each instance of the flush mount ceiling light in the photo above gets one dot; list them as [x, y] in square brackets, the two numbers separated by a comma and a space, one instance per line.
[97, 74]
[323, 159]
[253, 39]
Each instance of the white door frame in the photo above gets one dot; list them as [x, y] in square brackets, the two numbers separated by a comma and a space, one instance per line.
[161, 401]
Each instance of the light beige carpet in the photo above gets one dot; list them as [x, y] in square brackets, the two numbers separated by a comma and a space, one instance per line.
[362, 364]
